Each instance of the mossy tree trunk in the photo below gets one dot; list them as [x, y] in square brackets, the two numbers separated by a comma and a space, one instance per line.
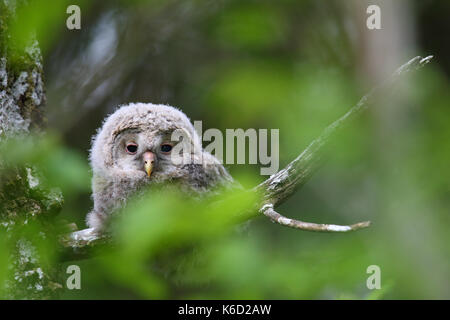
[23, 202]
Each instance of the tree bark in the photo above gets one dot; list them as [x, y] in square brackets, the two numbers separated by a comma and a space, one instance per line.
[23, 200]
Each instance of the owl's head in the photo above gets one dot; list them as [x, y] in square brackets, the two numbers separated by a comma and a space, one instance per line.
[135, 143]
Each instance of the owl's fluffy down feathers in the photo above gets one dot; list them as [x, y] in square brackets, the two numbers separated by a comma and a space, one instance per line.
[117, 175]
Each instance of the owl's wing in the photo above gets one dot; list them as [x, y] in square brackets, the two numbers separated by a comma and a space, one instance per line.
[209, 176]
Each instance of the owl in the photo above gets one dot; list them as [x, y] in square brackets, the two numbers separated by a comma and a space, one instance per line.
[134, 149]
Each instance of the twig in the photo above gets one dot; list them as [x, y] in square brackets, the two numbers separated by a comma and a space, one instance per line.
[269, 212]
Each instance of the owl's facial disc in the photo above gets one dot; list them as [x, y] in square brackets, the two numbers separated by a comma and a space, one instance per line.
[145, 156]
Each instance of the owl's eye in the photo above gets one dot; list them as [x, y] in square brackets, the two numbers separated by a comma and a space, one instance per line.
[166, 148]
[132, 148]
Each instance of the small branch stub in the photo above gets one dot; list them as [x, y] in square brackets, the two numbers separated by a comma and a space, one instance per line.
[269, 212]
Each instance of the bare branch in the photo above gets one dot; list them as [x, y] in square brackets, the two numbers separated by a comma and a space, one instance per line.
[281, 185]
[284, 183]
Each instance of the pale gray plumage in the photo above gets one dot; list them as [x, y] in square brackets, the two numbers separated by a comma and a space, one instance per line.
[117, 175]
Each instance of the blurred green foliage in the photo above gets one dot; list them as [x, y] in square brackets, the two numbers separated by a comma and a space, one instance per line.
[36, 19]
[249, 27]
[292, 65]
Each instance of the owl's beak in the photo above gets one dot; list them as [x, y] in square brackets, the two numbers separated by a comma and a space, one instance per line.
[149, 159]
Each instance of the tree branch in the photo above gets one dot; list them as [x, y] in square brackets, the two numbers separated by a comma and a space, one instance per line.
[283, 184]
